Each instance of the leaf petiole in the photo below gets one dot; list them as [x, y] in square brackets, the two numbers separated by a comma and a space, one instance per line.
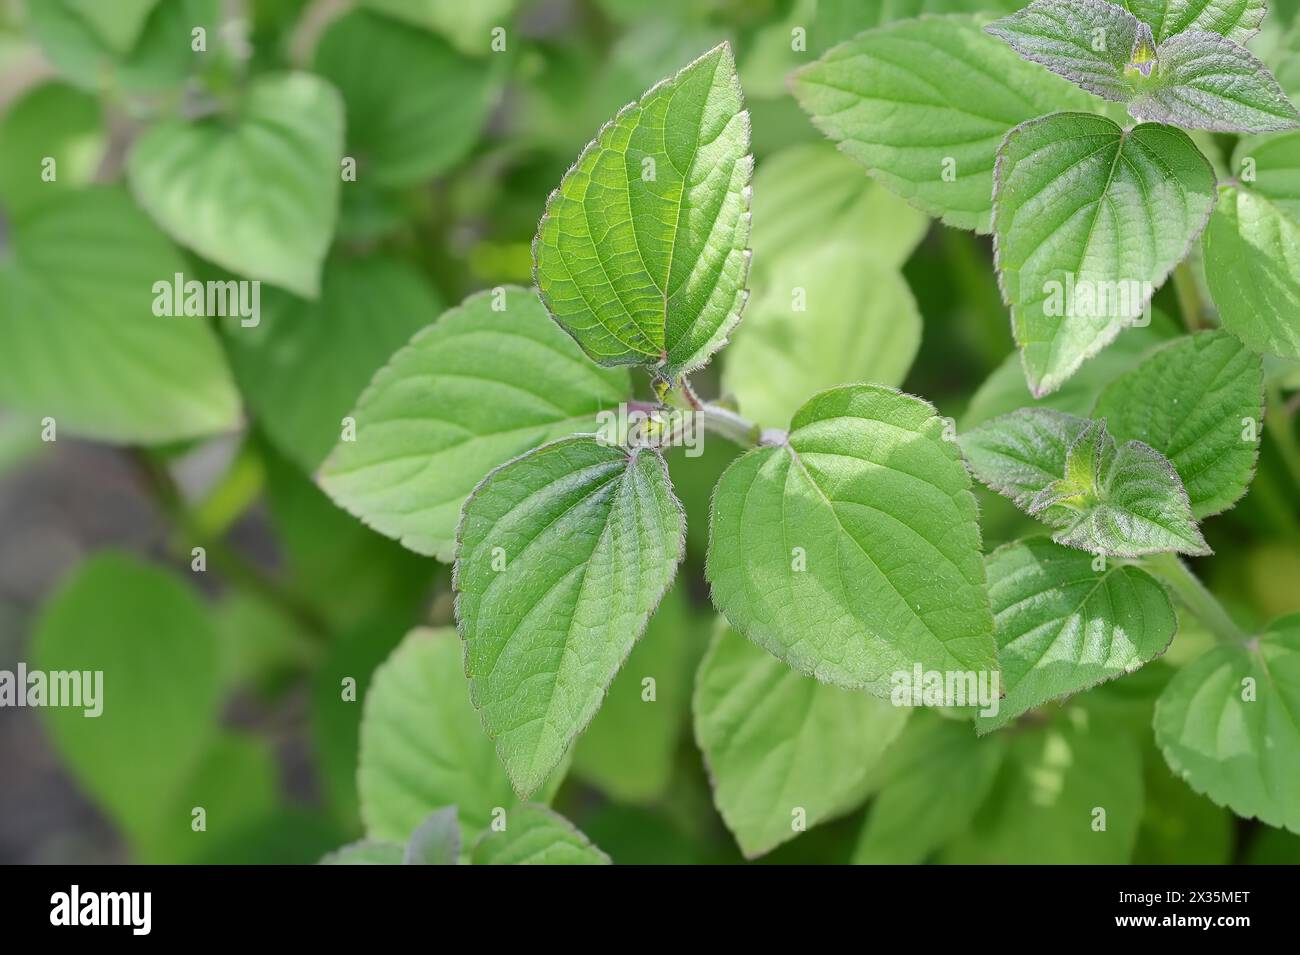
[1195, 597]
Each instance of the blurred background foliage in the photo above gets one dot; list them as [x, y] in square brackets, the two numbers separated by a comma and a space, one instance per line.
[226, 688]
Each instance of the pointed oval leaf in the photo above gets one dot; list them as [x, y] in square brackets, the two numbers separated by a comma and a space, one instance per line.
[852, 551]
[535, 835]
[1191, 401]
[82, 343]
[1064, 626]
[1227, 725]
[256, 194]
[1236, 19]
[1021, 453]
[563, 555]
[1089, 219]
[486, 382]
[1089, 42]
[777, 742]
[422, 747]
[1204, 81]
[930, 134]
[642, 253]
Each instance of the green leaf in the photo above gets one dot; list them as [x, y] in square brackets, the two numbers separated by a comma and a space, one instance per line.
[488, 381]
[1044, 806]
[256, 193]
[81, 342]
[783, 751]
[1199, 402]
[149, 638]
[906, 822]
[1197, 80]
[118, 24]
[828, 316]
[436, 841]
[852, 551]
[1252, 246]
[414, 104]
[366, 852]
[422, 747]
[1124, 500]
[1236, 19]
[564, 554]
[303, 365]
[534, 835]
[930, 135]
[1090, 42]
[1064, 626]
[160, 56]
[809, 195]
[1227, 725]
[56, 121]
[1089, 220]
[468, 25]
[1005, 390]
[1204, 81]
[641, 255]
[629, 749]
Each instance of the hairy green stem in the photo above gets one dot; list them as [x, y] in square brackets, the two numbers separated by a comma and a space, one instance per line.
[730, 425]
[1196, 597]
[1190, 301]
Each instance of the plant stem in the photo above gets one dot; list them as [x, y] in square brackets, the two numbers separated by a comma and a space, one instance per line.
[1278, 425]
[1190, 302]
[1196, 597]
[730, 425]
[233, 565]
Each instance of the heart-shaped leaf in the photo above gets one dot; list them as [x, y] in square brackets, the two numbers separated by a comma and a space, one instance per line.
[256, 193]
[1199, 402]
[641, 255]
[1227, 725]
[1064, 626]
[486, 382]
[82, 341]
[563, 555]
[852, 550]
[781, 747]
[1089, 219]
[931, 135]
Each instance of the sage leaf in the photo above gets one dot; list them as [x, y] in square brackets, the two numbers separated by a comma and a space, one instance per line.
[1227, 725]
[489, 380]
[852, 550]
[931, 136]
[1089, 219]
[642, 253]
[563, 555]
[781, 747]
[1199, 402]
[1063, 625]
